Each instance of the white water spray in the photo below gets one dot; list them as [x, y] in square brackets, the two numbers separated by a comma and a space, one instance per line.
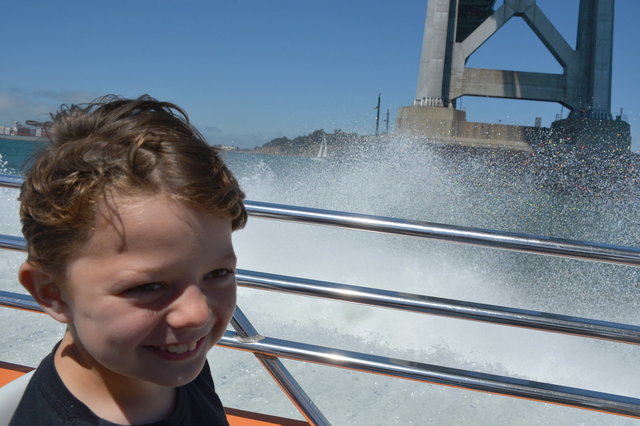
[415, 185]
[406, 182]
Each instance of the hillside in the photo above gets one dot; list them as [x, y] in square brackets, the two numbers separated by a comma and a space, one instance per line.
[308, 145]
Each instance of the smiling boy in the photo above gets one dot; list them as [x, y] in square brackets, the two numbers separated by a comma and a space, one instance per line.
[128, 216]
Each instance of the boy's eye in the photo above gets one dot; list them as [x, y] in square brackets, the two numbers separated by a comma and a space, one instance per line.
[218, 273]
[145, 288]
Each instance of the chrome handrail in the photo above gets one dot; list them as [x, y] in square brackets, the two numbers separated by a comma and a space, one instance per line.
[247, 333]
[11, 181]
[536, 320]
[247, 339]
[528, 243]
[19, 301]
[509, 386]
[9, 242]
[460, 309]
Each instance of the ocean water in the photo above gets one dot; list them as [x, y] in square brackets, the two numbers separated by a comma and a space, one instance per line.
[399, 179]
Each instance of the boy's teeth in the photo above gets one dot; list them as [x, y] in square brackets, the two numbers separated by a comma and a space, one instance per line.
[179, 349]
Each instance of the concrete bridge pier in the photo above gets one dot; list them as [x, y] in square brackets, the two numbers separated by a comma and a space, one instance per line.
[455, 29]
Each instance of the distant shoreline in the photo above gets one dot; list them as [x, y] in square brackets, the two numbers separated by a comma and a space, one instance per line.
[24, 138]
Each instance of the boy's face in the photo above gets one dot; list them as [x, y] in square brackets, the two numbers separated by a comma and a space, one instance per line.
[151, 291]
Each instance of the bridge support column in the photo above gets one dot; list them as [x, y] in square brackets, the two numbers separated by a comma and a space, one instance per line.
[435, 62]
[455, 29]
[595, 50]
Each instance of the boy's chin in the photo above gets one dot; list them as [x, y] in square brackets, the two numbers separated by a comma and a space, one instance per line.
[185, 376]
[178, 379]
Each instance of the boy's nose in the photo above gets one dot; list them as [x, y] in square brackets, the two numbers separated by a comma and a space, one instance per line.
[190, 309]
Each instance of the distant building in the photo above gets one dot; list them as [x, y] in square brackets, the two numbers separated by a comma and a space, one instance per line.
[20, 130]
[225, 147]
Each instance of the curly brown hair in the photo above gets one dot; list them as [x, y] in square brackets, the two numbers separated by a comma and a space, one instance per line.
[119, 145]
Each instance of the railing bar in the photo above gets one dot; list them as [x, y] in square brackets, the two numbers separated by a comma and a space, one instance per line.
[243, 326]
[279, 372]
[549, 322]
[406, 369]
[544, 392]
[19, 301]
[267, 346]
[424, 304]
[448, 307]
[9, 242]
[467, 235]
[11, 181]
[476, 236]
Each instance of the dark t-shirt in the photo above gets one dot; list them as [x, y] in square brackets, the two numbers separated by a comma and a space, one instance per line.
[47, 402]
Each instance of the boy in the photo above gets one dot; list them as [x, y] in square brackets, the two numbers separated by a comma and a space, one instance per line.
[128, 217]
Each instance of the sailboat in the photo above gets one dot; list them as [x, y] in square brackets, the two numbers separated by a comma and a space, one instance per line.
[322, 152]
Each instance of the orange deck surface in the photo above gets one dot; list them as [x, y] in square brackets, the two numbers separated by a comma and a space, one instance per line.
[10, 372]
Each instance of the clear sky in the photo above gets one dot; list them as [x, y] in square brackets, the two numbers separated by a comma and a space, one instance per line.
[247, 71]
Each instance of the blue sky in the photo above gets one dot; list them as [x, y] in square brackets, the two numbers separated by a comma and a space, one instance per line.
[247, 71]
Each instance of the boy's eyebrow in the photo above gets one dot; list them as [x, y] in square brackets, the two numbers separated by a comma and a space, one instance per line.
[229, 257]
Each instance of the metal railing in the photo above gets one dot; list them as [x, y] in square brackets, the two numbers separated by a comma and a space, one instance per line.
[269, 349]
[457, 234]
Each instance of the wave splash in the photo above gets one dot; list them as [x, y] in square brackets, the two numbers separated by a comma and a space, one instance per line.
[401, 179]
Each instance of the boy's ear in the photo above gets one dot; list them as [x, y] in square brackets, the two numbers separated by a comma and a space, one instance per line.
[44, 290]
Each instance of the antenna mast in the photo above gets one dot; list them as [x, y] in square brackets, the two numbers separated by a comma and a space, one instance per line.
[377, 108]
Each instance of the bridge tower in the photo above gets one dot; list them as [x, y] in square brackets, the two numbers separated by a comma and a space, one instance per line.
[455, 29]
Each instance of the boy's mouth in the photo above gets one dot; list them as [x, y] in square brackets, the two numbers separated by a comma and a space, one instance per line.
[179, 348]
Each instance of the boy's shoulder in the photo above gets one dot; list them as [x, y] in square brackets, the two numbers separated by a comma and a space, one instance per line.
[47, 402]
[44, 393]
